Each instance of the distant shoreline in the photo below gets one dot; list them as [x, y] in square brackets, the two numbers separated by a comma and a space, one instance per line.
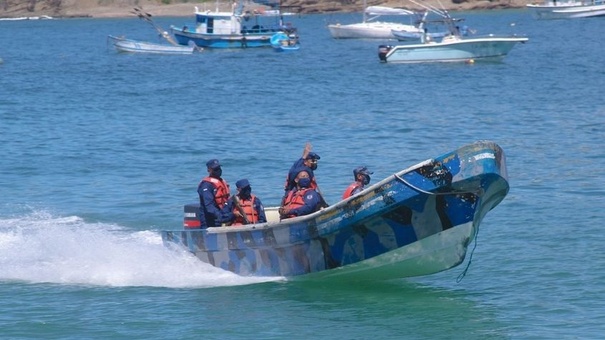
[187, 9]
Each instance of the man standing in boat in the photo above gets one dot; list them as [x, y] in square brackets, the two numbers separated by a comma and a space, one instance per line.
[214, 194]
[307, 162]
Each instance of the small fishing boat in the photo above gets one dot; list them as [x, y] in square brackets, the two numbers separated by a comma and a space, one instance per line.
[418, 221]
[122, 44]
[554, 9]
[134, 46]
[282, 42]
[239, 28]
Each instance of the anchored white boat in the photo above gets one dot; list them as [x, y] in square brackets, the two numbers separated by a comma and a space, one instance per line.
[371, 28]
[452, 48]
[553, 9]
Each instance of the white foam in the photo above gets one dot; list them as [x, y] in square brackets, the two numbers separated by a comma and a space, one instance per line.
[40, 248]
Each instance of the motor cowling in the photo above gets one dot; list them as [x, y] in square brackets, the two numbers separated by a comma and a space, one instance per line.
[191, 218]
[383, 50]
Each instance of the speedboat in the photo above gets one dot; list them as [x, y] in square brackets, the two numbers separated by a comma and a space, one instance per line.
[418, 221]
[454, 47]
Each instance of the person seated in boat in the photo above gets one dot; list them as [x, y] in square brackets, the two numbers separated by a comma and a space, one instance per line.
[245, 207]
[301, 200]
[214, 194]
[362, 178]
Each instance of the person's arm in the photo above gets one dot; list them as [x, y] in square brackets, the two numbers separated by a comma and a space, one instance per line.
[306, 150]
[227, 215]
[260, 210]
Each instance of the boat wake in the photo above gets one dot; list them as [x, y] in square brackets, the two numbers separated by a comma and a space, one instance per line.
[41, 248]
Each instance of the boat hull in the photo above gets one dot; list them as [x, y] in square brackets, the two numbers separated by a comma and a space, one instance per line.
[456, 50]
[416, 222]
[262, 39]
[563, 10]
[369, 30]
[134, 46]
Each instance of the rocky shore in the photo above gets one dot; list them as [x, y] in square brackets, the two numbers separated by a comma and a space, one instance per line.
[123, 8]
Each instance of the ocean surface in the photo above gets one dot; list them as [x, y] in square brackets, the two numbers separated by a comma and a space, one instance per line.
[100, 151]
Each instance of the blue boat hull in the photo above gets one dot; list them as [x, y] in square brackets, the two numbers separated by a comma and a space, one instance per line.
[223, 40]
[416, 222]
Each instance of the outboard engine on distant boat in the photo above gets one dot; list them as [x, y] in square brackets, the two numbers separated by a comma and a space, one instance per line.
[383, 50]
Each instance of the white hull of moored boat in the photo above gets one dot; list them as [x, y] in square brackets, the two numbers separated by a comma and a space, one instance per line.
[451, 49]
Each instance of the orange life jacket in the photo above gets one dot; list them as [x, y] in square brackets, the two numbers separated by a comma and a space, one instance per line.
[295, 199]
[222, 190]
[248, 207]
[349, 192]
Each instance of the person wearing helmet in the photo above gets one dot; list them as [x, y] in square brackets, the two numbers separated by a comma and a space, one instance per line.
[362, 178]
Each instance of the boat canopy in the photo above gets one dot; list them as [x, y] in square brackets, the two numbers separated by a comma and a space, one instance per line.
[382, 10]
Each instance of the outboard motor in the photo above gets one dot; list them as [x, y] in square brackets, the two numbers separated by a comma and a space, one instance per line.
[383, 50]
[192, 216]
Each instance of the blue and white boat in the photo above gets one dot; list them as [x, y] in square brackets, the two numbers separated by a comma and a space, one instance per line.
[239, 28]
[454, 47]
[418, 221]
[282, 42]
[567, 9]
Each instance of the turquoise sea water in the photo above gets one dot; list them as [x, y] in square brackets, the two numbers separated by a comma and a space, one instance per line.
[99, 151]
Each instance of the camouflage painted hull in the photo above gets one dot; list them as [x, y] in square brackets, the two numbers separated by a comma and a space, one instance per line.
[418, 221]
